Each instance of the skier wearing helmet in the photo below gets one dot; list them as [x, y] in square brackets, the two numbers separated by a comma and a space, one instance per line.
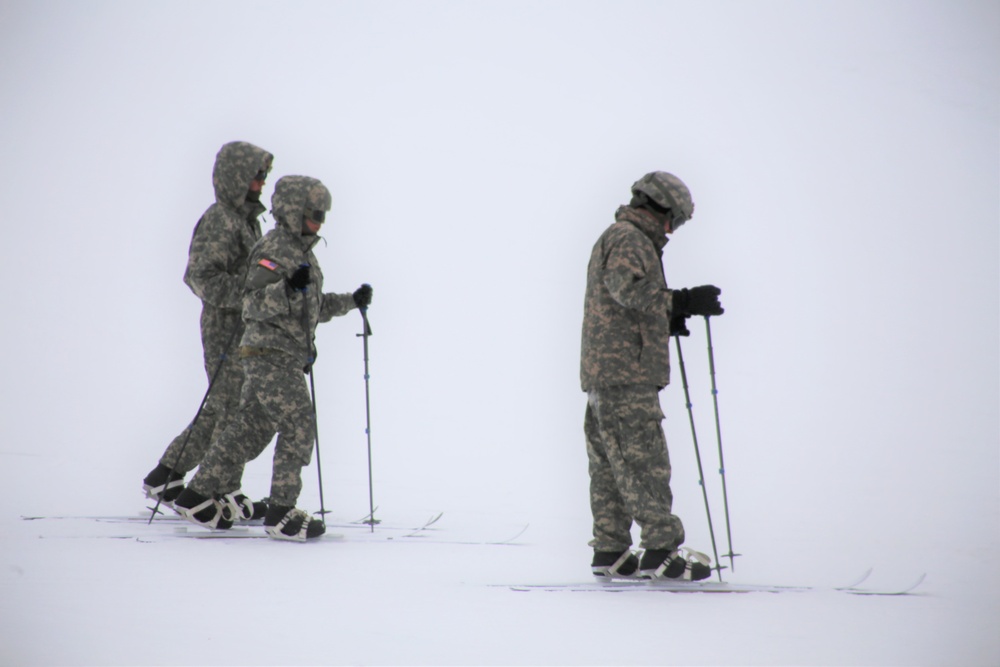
[282, 305]
[629, 316]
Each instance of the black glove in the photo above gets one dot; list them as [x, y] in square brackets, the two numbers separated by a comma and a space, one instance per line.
[363, 296]
[702, 300]
[678, 326]
[301, 278]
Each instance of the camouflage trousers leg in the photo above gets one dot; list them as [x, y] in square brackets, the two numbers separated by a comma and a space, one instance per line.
[222, 403]
[285, 397]
[629, 470]
[275, 399]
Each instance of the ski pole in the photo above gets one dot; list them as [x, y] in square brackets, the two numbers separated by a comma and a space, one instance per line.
[319, 464]
[697, 454]
[371, 521]
[718, 436]
[310, 358]
[201, 408]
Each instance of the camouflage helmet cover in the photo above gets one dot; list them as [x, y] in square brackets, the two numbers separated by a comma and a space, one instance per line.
[669, 192]
[294, 196]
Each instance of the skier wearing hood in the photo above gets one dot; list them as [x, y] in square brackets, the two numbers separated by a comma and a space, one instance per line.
[629, 316]
[216, 272]
[283, 303]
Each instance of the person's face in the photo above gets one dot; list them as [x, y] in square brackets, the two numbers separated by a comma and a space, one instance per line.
[313, 223]
[666, 220]
[257, 184]
[663, 215]
[675, 222]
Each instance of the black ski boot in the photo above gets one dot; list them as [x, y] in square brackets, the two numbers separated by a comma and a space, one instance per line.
[677, 564]
[289, 523]
[207, 512]
[163, 484]
[240, 508]
[609, 565]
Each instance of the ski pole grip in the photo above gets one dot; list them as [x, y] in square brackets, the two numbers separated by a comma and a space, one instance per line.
[364, 318]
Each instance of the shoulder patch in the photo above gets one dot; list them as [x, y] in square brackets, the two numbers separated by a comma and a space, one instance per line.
[268, 264]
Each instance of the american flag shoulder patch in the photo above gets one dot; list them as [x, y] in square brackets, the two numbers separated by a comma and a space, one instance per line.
[268, 264]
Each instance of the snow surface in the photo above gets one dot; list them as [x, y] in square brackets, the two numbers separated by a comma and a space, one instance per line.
[845, 165]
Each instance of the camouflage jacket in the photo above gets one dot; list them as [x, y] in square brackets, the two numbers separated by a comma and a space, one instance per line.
[626, 312]
[276, 316]
[223, 237]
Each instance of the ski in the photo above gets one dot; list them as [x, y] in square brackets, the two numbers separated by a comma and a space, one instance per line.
[424, 539]
[857, 582]
[427, 524]
[171, 519]
[107, 518]
[165, 526]
[510, 540]
[669, 586]
[654, 586]
[237, 534]
[905, 590]
[369, 519]
[139, 518]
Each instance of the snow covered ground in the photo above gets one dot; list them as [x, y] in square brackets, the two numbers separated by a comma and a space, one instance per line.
[843, 157]
[82, 592]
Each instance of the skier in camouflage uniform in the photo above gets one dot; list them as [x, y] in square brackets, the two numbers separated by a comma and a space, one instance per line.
[216, 272]
[629, 313]
[282, 304]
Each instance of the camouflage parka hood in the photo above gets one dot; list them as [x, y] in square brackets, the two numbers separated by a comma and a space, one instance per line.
[221, 243]
[235, 166]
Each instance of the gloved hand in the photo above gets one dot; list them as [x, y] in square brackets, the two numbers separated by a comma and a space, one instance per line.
[678, 326]
[701, 300]
[301, 278]
[363, 296]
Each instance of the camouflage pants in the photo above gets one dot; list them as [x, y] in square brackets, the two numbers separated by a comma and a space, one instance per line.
[275, 399]
[629, 470]
[186, 450]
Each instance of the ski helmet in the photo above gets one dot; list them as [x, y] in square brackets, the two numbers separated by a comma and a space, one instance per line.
[669, 192]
